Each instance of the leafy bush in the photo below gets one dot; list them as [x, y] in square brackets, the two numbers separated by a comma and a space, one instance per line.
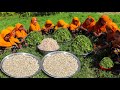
[106, 62]
[81, 44]
[7, 13]
[62, 35]
[24, 14]
[34, 38]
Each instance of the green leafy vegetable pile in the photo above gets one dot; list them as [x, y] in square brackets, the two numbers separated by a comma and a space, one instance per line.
[62, 35]
[34, 38]
[105, 74]
[106, 62]
[81, 45]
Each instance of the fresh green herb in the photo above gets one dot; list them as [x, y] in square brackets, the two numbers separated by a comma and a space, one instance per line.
[81, 44]
[106, 62]
[34, 38]
[62, 35]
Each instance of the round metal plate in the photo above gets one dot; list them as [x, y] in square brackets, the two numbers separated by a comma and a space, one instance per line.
[20, 53]
[78, 61]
